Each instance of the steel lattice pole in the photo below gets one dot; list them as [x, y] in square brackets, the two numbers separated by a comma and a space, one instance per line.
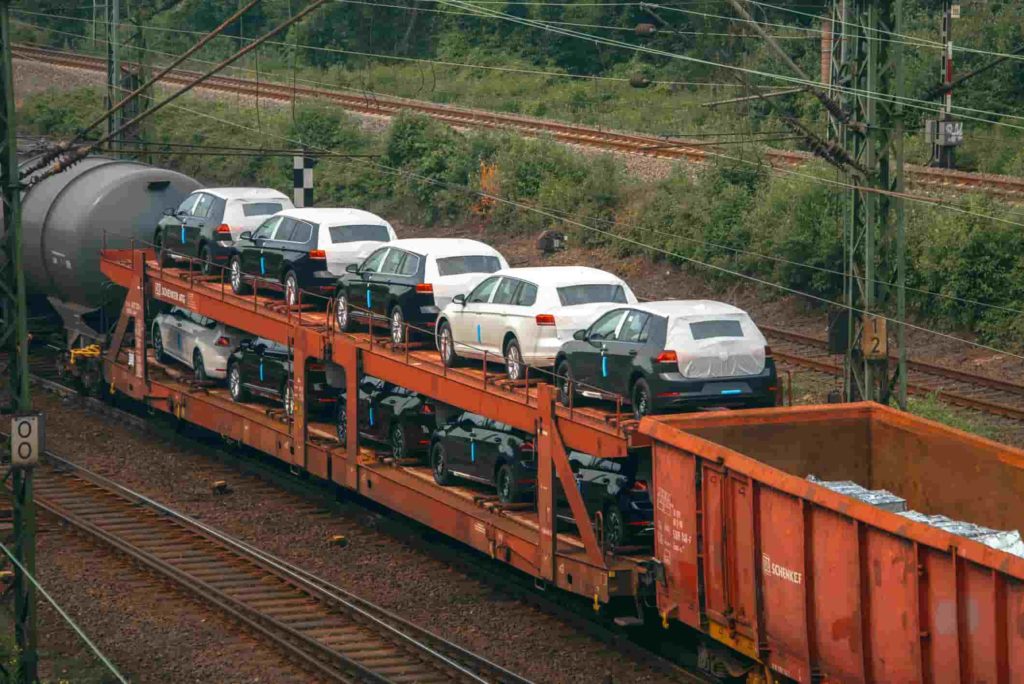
[15, 343]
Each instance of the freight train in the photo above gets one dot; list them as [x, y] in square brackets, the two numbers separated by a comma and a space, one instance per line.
[760, 548]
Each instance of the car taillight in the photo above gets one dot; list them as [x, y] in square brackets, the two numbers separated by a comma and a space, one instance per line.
[639, 486]
[425, 288]
[223, 342]
[317, 254]
[526, 447]
[767, 352]
[545, 319]
[667, 356]
[224, 229]
[316, 366]
[426, 408]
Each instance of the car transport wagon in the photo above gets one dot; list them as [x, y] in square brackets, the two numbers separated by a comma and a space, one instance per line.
[763, 549]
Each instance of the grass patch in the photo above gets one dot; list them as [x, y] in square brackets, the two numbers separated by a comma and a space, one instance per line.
[933, 408]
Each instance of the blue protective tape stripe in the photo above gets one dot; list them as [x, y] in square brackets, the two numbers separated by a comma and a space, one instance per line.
[368, 299]
[736, 391]
[604, 366]
[478, 336]
[472, 452]
[261, 370]
[183, 234]
[263, 266]
[371, 416]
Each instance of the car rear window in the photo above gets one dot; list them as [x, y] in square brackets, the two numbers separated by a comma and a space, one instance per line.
[303, 232]
[703, 330]
[260, 208]
[591, 294]
[340, 234]
[467, 264]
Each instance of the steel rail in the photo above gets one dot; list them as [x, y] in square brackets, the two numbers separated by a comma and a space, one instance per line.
[382, 644]
[585, 136]
[925, 378]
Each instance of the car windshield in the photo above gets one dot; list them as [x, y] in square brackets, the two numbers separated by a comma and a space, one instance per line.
[340, 234]
[457, 265]
[591, 294]
[704, 330]
[261, 208]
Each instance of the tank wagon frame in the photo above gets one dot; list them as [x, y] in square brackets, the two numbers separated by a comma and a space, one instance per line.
[807, 583]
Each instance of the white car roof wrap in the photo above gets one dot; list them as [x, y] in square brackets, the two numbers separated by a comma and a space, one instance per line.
[711, 357]
[335, 216]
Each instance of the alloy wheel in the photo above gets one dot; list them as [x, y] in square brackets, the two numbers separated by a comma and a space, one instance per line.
[291, 289]
[235, 383]
[236, 275]
[514, 361]
[397, 325]
[341, 312]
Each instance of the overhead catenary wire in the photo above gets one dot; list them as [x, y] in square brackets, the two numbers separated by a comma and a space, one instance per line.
[603, 40]
[67, 618]
[75, 154]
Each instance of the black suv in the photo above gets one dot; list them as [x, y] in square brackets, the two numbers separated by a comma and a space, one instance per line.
[208, 221]
[388, 413]
[264, 368]
[640, 353]
[285, 255]
[497, 455]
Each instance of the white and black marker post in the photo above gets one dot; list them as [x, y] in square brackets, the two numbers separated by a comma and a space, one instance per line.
[302, 180]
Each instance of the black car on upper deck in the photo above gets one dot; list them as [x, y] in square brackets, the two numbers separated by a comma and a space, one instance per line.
[670, 356]
[410, 281]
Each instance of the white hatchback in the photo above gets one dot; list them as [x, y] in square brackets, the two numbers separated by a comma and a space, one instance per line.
[347, 236]
[201, 343]
[523, 315]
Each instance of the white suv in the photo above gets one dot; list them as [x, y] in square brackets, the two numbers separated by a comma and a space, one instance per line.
[201, 343]
[525, 314]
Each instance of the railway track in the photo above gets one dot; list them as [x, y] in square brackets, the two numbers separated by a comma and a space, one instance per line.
[658, 147]
[967, 390]
[334, 635]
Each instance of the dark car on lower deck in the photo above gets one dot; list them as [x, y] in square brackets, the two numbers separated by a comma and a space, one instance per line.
[264, 368]
[614, 490]
[394, 415]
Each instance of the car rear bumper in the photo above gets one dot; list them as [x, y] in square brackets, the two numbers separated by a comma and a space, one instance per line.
[672, 391]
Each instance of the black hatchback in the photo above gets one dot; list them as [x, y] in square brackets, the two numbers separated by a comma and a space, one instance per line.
[672, 355]
[264, 368]
[394, 415]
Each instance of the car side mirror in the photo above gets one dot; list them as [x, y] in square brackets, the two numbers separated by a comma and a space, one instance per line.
[169, 211]
[459, 299]
[580, 335]
[352, 268]
[260, 349]
[466, 424]
[246, 235]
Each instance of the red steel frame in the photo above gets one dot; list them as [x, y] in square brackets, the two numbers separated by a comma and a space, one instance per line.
[580, 567]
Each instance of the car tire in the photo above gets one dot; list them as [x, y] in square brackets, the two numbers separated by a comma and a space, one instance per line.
[162, 256]
[615, 534]
[235, 386]
[288, 399]
[341, 421]
[158, 346]
[439, 465]
[206, 265]
[397, 325]
[566, 383]
[643, 403]
[290, 281]
[446, 345]
[342, 314]
[505, 484]
[397, 439]
[514, 365]
[198, 368]
[238, 284]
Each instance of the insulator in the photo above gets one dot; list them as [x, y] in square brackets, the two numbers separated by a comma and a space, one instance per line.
[646, 29]
[639, 81]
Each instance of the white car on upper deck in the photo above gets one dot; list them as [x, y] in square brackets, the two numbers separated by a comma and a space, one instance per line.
[525, 314]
